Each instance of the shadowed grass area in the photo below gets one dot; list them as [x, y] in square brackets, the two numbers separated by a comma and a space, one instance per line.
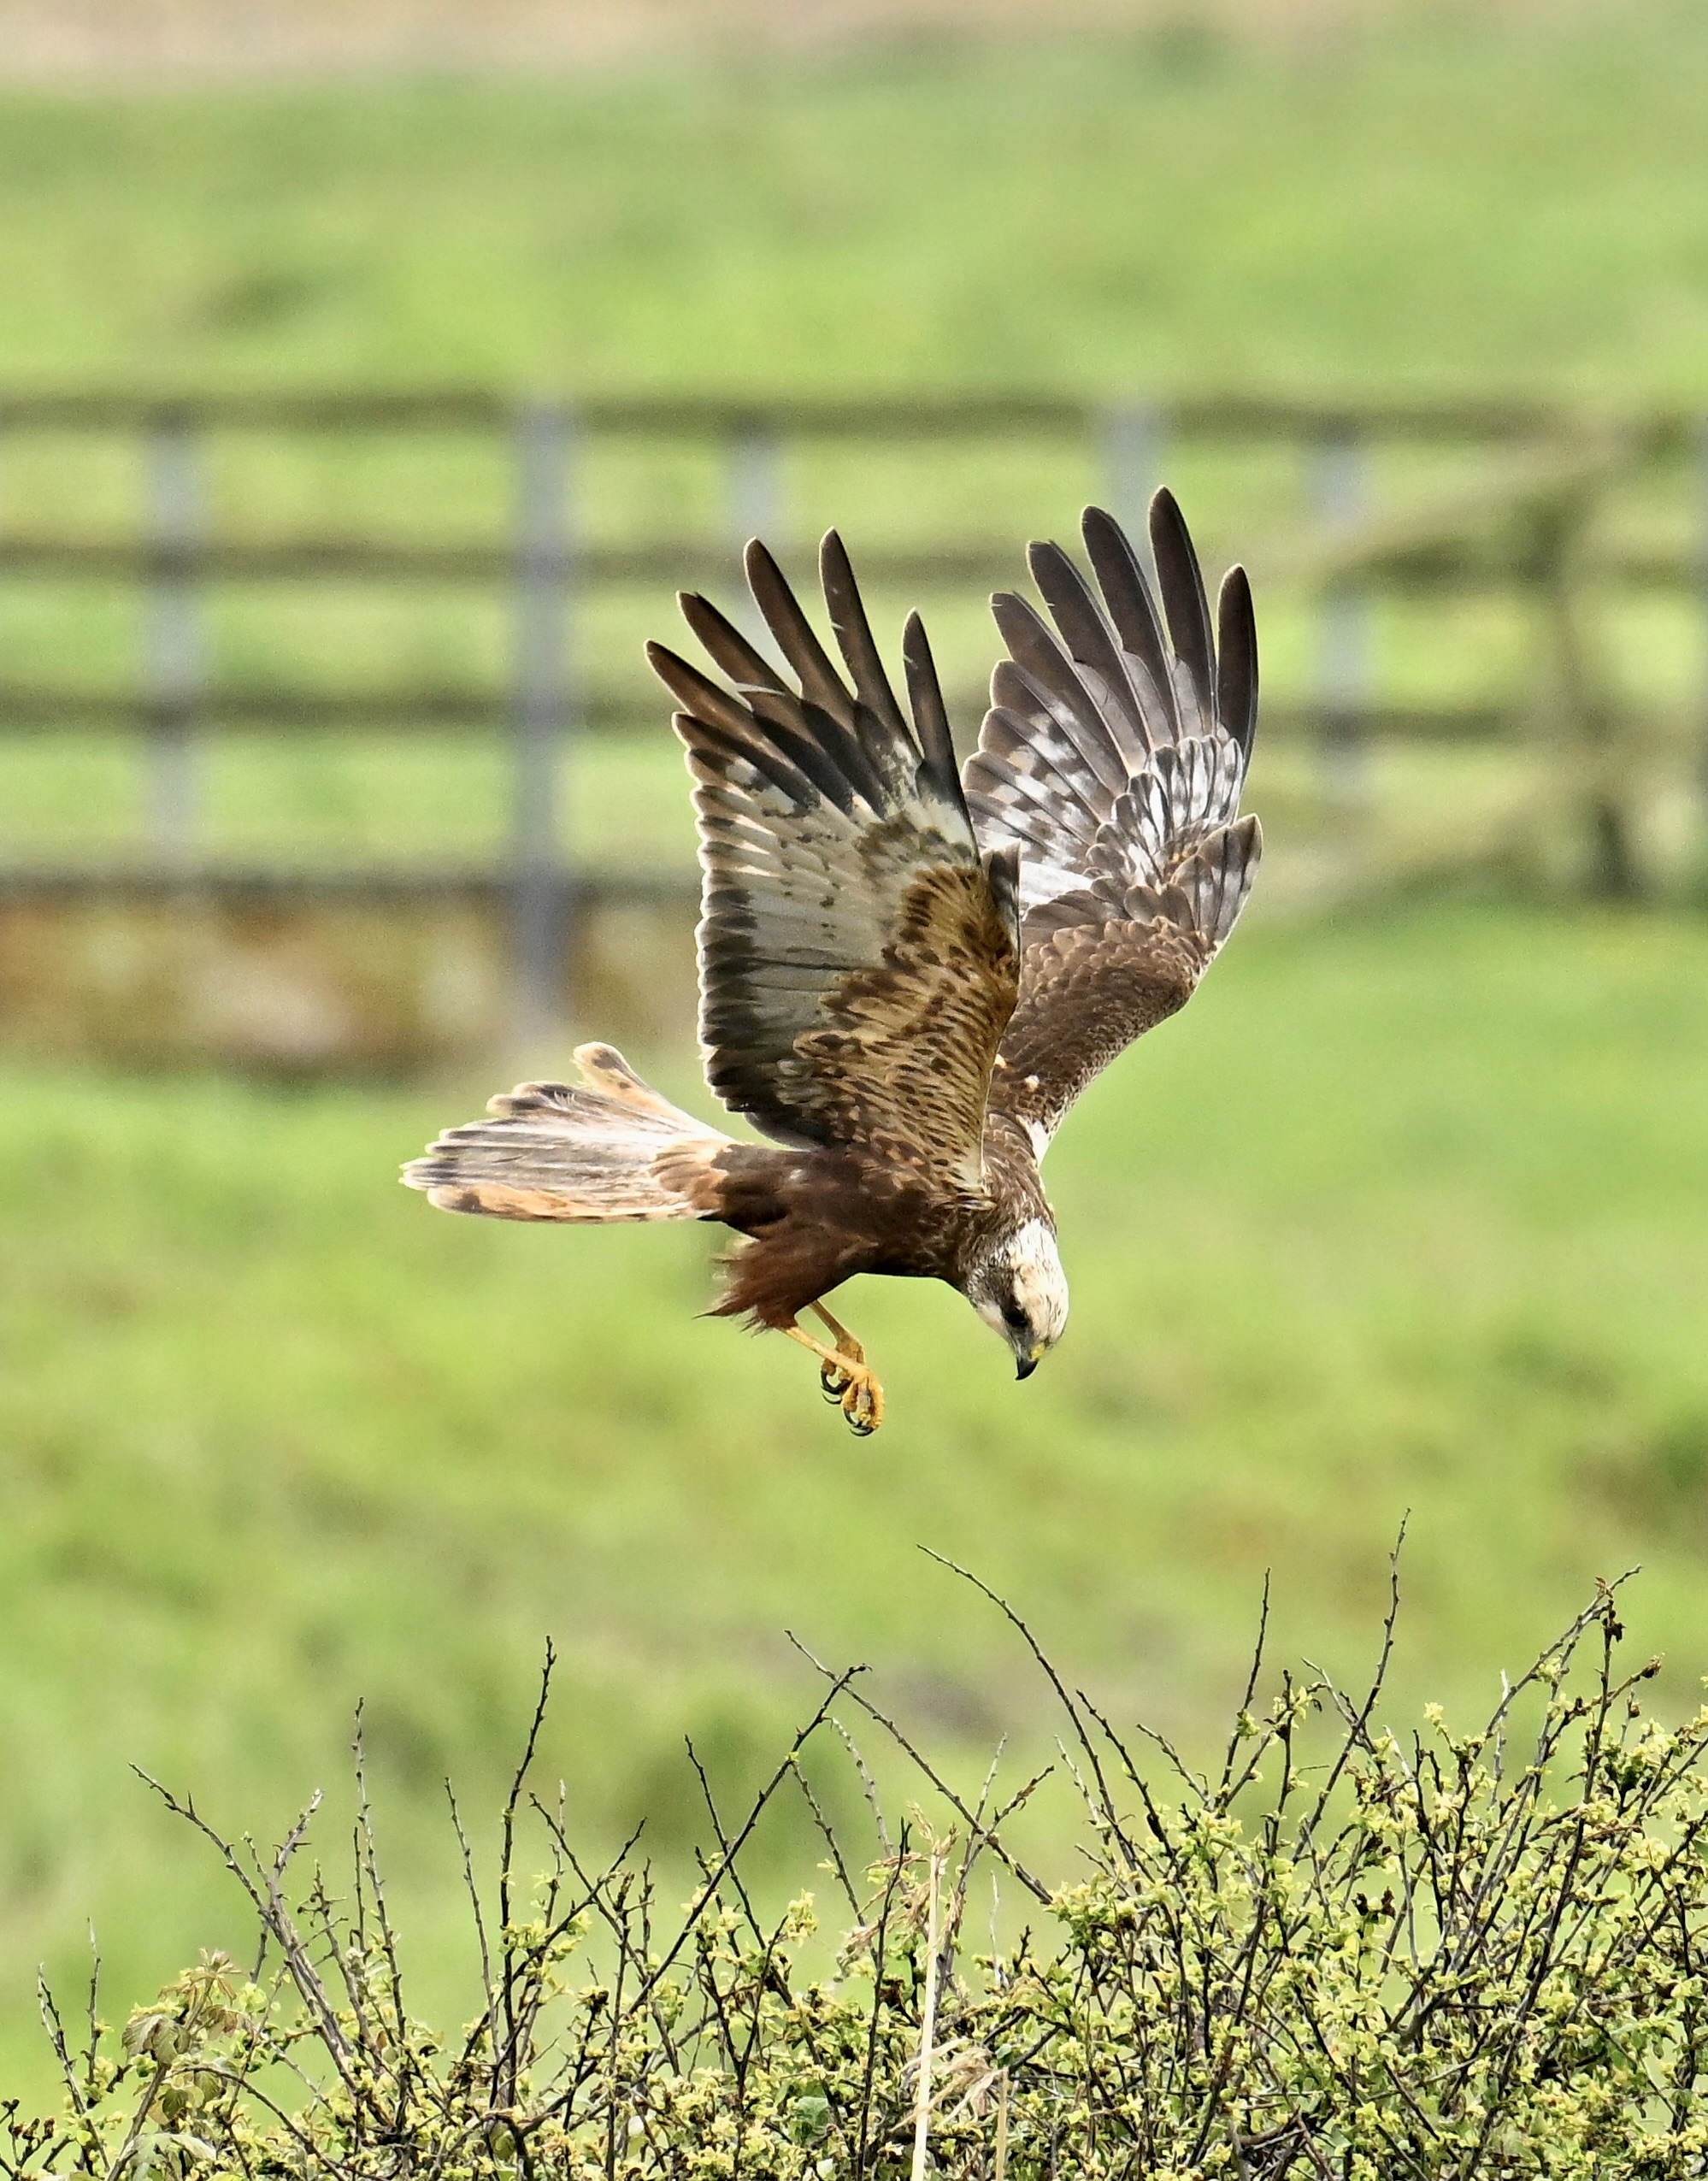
[1405, 1213]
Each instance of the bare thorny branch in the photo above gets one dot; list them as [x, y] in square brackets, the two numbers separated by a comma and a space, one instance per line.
[1217, 1989]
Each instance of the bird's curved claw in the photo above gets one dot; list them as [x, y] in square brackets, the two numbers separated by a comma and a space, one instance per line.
[863, 1403]
[845, 1376]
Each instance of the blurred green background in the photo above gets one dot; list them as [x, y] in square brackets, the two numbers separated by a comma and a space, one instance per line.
[1406, 1211]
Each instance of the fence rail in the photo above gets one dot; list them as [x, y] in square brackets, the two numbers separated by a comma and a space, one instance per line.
[24, 709]
[1428, 565]
[975, 416]
[1529, 526]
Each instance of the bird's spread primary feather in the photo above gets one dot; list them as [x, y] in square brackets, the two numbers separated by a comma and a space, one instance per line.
[859, 956]
[908, 973]
[1113, 757]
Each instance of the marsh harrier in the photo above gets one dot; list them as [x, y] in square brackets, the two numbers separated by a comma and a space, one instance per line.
[909, 971]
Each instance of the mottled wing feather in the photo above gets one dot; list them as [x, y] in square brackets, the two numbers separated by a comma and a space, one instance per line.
[859, 950]
[1113, 757]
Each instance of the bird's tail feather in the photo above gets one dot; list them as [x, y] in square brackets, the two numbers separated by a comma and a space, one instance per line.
[612, 1150]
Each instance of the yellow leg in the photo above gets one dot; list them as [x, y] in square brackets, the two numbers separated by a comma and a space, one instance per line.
[846, 1342]
[834, 1378]
[846, 1378]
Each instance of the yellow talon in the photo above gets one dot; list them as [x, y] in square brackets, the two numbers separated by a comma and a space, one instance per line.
[862, 1405]
[843, 1374]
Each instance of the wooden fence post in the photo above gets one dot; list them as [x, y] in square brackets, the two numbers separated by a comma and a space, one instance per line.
[1343, 626]
[173, 636]
[542, 882]
[1134, 451]
[1581, 721]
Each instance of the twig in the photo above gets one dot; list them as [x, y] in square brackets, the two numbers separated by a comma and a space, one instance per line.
[927, 2026]
[473, 1893]
[708, 1891]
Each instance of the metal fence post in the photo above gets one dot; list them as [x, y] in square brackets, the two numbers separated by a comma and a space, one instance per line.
[1134, 450]
[1343, 629]
[755, 504]
[173, 666]
[1702, 601]
[543, 893]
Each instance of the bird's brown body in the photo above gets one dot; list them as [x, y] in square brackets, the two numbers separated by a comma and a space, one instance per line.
[814, 1219]
[909, 971]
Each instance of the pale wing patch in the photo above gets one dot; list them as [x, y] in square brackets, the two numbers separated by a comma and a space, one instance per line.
[858, 951]
[1113, 757]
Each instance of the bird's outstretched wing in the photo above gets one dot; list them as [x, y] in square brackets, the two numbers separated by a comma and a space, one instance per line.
[1112, 757]
[858, 953]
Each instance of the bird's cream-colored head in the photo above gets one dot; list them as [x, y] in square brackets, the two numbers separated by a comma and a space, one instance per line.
[1020, 1292]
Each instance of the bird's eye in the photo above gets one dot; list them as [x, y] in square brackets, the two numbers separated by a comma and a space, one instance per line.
[1014, 1318]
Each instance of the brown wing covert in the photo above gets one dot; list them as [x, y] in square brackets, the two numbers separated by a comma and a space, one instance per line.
[858, 951]
[1113, 757]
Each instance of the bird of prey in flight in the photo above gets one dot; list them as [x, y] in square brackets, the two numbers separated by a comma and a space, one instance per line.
[909, 971]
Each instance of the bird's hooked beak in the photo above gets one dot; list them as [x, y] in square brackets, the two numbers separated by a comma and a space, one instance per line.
[1026, 1364]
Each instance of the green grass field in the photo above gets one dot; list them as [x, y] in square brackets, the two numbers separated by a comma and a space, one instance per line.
[1449, 200]
[1446, 201]
[1403, 1213]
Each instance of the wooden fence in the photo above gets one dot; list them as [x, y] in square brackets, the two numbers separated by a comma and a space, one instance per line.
[1530, 523]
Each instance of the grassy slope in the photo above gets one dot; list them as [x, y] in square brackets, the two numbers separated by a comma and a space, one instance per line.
[1404, 1214]
[1450, 202]
[1453, 203]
